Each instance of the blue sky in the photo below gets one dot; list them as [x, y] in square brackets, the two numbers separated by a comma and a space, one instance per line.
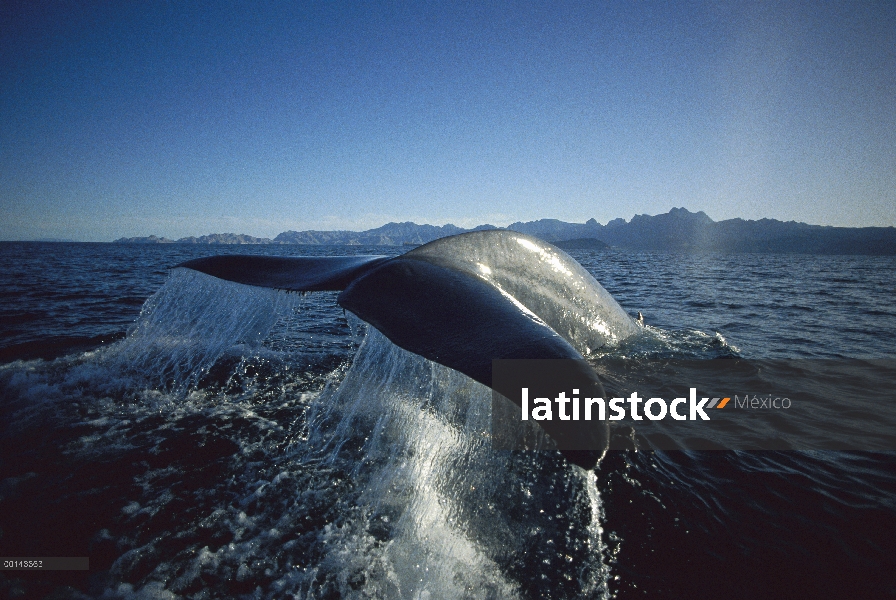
[180, 118]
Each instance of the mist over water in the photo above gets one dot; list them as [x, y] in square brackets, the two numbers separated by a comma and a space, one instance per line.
[244, 442]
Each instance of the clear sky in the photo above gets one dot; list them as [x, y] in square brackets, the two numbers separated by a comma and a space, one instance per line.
[180, 118]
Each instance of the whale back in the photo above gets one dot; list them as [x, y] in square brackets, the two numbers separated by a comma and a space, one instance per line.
[542, 278]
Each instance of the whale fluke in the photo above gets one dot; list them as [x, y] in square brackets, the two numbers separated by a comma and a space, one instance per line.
[290, 273]
[449, 317]
[462, 302]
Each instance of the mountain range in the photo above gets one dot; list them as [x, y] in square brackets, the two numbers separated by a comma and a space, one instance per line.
[679, 230]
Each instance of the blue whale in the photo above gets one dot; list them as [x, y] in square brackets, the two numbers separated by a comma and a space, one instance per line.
[463, 301]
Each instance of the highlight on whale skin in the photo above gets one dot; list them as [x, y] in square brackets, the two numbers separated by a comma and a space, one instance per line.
[463, 301]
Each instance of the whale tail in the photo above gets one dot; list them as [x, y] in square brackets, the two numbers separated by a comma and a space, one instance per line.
[463, 302]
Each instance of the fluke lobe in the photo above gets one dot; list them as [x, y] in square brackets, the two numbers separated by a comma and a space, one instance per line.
[463, 301]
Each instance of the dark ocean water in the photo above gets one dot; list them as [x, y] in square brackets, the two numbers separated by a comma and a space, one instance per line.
[202, 439]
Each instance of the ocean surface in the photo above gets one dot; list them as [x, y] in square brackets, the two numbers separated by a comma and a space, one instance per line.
[202, 439]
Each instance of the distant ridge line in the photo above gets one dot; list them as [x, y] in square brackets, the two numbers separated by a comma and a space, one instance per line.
[679, 230]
